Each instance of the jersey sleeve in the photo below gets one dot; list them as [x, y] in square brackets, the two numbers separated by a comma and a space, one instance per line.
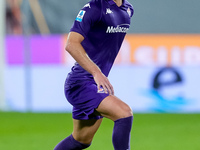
[87, 17]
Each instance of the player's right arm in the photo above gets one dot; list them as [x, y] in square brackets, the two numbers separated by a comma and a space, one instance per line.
[76, 50]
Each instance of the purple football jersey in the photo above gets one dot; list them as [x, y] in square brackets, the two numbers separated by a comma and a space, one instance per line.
[103, 25]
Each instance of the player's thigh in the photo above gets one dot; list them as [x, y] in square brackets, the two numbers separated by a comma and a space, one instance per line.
[114, 108]
[84, 130]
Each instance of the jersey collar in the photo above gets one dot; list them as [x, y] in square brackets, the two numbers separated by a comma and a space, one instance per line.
[111, 2]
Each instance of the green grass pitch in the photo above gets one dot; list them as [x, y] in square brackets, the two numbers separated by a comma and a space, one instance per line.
[42, 131]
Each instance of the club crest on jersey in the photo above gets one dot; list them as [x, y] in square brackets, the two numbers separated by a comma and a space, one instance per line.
[129, 12]
[80, 15]
[87, 5]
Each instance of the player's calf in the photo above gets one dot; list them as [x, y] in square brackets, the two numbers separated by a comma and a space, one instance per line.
[121, 133]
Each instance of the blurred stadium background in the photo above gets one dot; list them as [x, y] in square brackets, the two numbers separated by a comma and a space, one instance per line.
[158, 68]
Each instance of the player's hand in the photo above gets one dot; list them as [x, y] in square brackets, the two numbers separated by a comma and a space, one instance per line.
[102, 81]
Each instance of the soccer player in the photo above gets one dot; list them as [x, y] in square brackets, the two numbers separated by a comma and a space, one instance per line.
[94, 41]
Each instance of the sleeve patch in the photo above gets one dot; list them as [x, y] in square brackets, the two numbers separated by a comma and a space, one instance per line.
[80, 15]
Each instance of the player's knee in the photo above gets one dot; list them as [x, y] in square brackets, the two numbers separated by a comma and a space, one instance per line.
[127, 111]
[124, 112]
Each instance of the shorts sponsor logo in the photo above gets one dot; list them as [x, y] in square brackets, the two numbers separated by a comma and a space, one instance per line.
[123, 28]
[101, 90]
[80, 16]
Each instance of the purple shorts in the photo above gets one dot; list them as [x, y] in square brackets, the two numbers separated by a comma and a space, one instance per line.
[84, 97]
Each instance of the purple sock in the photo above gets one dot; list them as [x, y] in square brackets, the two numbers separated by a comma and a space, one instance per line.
[70, 143]
[121, 133]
